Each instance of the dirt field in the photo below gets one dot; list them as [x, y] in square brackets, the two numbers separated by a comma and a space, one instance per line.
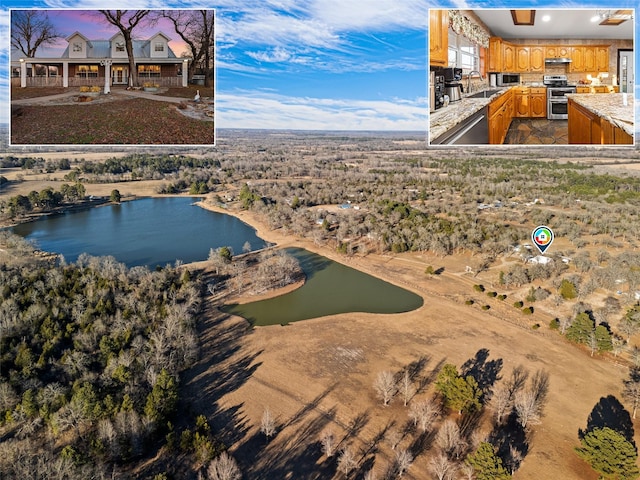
[318, 374]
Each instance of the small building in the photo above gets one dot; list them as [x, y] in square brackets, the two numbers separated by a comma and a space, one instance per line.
[540, 260]
[87, 62]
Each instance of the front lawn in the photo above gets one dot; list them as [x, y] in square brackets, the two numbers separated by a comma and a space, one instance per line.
[18, 93]
[129, 121]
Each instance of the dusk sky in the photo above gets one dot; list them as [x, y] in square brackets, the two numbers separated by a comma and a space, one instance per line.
[304, 64]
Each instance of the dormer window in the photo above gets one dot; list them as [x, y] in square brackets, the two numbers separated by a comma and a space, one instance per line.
[159, 47]
[77, 46]
[119, 46]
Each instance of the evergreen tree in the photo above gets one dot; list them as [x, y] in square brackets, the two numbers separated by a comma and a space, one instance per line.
[163, 399]
[460, 393]
[486, 464]
[603, 339]
[609, 454]
[581, 328]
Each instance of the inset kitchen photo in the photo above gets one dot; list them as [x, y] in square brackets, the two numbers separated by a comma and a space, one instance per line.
[531, 77]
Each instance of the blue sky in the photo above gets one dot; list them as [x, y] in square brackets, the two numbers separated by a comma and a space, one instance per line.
[311, 64]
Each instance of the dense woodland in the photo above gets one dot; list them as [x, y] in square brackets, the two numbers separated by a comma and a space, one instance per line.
[92, 352]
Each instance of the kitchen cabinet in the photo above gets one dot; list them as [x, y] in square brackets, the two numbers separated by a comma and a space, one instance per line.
[522, 59]
[577, 59]
[521, 105]
[439, 37]
[536, 59]
[508, 58]
[500, 116]
[494, 63]
[538, 102]
[602, 58]
[557, 51]
[585, 127]
[614, 135]
[589, 59]
[583, 89]
[598, 89]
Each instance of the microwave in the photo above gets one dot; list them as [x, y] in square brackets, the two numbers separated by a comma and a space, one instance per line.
[508, 79]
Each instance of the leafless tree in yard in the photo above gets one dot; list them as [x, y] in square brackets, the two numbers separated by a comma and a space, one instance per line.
[632, 390]
[450, 440]
[31, 29]
[224, 467]
[347, 461]
[527, 408]
[328, 442]
[442, 468]
[501, 402]
[268, 423]
[423, 413]
[385, 386]
[394, 437]
[404, 459]
[407, 387]
[514, 459]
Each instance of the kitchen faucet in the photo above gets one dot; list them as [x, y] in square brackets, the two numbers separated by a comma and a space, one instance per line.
[469, 79]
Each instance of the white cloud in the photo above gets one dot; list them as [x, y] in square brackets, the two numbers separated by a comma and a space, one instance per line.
[272, 111]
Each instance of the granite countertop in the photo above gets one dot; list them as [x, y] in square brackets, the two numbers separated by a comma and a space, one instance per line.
[446, 118]
[608, 106]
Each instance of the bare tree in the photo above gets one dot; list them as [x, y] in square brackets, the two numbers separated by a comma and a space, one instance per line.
[423, 413]
[514, 459]
[501, 402]
[347, 461]
[467, 471]
[632, 389]
[268, 423]
[328, 442]
[31, 29]
[394, 437]
[224, 467]
[126, 21]
[527, 408]
[404, 459]
[195, 28]
[385, 386]
[449, 439]
[442, 468]
[407, 387]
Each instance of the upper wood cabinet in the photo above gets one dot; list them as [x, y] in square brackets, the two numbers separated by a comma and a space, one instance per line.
[494, 63]
[536, 59]
[577, 59]
[522, 59]
[508, 58]
[602, 58]
[439, 37]
[589, 57]
[557, 51]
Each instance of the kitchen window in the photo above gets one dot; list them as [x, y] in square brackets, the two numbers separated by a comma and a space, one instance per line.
[463, 53]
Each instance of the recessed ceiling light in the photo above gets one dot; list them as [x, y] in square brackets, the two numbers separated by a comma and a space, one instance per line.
[546, 18]
[595, 18]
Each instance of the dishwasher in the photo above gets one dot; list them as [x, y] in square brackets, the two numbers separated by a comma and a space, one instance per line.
[471, 131]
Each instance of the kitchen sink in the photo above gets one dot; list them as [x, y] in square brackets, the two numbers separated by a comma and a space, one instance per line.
[485, 94]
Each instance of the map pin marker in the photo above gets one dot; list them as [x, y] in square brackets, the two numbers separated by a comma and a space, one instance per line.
[542, 237]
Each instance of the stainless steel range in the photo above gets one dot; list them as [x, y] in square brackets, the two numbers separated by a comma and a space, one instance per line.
[557, 102]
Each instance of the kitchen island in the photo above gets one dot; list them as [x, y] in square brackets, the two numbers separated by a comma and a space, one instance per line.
[600, 118]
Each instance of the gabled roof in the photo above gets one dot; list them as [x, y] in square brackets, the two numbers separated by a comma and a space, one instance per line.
[160, 33]
[76, 33]
[102, 48]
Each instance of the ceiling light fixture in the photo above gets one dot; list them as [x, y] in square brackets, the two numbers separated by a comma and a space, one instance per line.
[546, 18]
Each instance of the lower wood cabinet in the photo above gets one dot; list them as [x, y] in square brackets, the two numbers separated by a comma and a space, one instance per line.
[500, 116]
[586, 127]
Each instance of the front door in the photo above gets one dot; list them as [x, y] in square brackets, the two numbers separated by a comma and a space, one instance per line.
[119, 75]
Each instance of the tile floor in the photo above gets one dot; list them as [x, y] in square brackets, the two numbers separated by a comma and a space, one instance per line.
[537, 131]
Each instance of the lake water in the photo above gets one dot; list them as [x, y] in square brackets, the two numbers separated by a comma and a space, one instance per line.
[330, 288]
[150, 231]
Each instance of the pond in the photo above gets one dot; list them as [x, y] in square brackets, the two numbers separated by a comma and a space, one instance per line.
[149, 231]
[330, 288]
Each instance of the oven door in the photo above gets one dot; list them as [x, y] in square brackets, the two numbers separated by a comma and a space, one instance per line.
[557, 108]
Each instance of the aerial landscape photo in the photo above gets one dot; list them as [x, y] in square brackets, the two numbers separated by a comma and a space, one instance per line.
[399, 257]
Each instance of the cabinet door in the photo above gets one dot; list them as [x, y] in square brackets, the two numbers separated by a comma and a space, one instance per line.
[551, 52]
[589, 57]
[564, 52]
[521, 105]
[602, 59]
[577, 59]
[509, 58]
[579, 124]
[522, 59]
[536, 59]
[495, 54]
[438, 37]
[583, 89]
[538, 106]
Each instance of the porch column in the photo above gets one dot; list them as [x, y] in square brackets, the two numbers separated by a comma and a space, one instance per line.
[107, 75]
[185, 72]
[65, 74]
[23, 73]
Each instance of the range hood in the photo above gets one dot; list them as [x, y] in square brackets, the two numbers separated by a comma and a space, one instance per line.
[556, 61]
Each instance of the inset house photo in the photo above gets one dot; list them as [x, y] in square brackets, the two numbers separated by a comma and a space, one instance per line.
[112, 77]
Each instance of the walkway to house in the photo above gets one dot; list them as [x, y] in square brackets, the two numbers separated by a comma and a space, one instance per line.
[131, 93]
